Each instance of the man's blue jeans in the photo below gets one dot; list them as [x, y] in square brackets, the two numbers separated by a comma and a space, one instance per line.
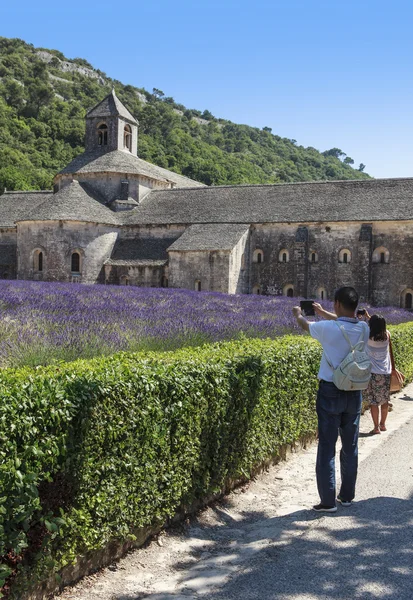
[337, 411]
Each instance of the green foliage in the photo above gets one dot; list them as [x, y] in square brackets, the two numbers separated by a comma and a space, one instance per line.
[42, 111]
[124, 442]
[402, 343]
[91, 450]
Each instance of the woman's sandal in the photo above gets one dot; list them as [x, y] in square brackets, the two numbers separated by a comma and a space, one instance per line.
[375, 431]
[383, 427]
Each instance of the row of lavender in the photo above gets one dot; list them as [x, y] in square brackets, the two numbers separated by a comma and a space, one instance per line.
[45, 322]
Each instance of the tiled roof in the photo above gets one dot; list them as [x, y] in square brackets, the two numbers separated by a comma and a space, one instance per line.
[120, 161]
[365, 200]
[74, 202]
[111, 106]
[140, 250]
[15, 205]
[210, 237]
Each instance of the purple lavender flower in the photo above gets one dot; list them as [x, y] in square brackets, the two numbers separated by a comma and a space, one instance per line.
[46, 322]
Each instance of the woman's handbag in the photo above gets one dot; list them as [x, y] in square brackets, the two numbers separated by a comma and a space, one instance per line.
[397, 377]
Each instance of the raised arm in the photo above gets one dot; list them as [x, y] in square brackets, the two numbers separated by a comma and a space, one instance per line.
[321, 312]
[302, 321]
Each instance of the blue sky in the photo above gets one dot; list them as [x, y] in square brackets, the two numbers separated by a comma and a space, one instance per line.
[326, 73]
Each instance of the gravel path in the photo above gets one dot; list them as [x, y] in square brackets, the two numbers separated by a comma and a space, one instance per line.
[262, 542]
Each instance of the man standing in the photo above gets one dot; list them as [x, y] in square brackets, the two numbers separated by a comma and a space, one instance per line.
[337, 410]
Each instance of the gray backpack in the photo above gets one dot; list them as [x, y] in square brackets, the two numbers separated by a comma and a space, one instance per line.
[353, 373]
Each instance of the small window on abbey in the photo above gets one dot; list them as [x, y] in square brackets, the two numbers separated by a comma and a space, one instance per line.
[381, 255]
[284, 256]
[322, 293]
[197, 285]
[38, 261]
[127, 138]
[124, 280]
[406, 299]
[258, 256]
[75, 262]
[313, 257]
[344, 256]
[289, 290]
[103, 135]
[256, 290]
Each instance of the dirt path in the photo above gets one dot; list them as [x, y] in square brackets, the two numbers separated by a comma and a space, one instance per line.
[199, 558]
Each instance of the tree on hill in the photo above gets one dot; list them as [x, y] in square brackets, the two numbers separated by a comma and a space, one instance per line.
[335, 152]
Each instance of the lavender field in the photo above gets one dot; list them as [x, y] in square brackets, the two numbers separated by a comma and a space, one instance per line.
[41, 323]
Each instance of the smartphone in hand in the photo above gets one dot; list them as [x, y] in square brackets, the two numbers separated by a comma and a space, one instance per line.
[307, 308]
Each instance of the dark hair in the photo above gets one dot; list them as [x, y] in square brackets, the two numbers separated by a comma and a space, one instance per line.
[378, 328]
[347, 296]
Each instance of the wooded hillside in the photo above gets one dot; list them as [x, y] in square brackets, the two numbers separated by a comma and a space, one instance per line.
[44, 98]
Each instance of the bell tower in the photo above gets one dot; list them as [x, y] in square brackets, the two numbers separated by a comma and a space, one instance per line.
[110, 126]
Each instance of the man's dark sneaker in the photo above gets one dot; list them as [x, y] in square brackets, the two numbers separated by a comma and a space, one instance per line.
[324, 508]
[344, 502]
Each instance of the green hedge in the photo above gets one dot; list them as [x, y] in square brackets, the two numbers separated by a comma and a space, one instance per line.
[402, 342]
[91, 450]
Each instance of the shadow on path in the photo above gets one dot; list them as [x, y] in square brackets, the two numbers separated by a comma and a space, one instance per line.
[365, 552]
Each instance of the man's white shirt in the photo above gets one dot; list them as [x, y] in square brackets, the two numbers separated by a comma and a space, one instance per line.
[335, 345]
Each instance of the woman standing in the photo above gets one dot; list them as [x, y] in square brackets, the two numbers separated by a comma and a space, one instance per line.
[378, 392]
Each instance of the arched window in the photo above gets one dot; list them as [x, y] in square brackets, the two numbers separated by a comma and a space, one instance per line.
[284, 256]
[103, 135]
[321, 293]
[127, 137]
[256, 290]
[288, 290]
[313, 256]
[75, 262]
[164, 282]
[381, 255]
[124, 280]
[344, 256]
[197, 285]
[406, 299]
[38, 261]
[258, 256]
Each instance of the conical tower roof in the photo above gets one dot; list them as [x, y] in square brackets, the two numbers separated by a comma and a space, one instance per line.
[111, 106]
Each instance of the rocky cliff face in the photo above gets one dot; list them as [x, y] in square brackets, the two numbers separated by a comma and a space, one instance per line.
[69, 67]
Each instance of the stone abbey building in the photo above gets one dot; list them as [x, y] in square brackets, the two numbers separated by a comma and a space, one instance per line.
[115, 218]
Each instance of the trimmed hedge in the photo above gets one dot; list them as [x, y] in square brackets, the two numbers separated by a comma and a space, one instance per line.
[91, 450]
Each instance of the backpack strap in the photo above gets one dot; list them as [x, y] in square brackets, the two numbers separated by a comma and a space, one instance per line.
[344, 332]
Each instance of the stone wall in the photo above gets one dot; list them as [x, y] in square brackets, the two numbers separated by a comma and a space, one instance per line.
[238, 282]
[210, 268]
[58, 240]
[307, 259]
[310, 259]
[142, 275]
